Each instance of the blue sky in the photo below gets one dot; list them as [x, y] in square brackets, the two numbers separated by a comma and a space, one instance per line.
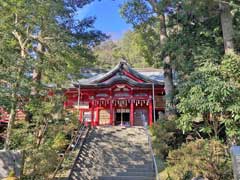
[108, 18]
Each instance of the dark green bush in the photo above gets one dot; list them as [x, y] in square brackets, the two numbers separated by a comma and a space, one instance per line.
[201, 158]
[166, 136]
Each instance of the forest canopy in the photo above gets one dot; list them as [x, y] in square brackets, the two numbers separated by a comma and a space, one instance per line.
[43, 47]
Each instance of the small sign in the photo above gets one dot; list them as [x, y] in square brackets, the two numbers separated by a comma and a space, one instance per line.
[160, 101]
[235, 153]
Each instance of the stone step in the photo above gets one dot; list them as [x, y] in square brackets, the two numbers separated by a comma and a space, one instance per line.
[131, 169]
[129, 165]
[118, 166]
[112, 159]
[115, 153]
[114, 171]
[130, 161]
[147, 174]
[125, 178]
[148, 166]
[126, 156]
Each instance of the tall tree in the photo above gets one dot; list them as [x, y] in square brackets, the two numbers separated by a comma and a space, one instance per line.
[41, 45]
[46, 41]
[15, 40]
[139, 12]
[227, 26]
[106, 54]
[205, 85]
[131, 47]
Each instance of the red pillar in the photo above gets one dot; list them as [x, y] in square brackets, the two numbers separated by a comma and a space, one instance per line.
[97, 117]
[111, 112]
[132, 113]
[150, 111]
[92, 119]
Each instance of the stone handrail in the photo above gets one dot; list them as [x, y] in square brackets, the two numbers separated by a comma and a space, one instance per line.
[151, 151]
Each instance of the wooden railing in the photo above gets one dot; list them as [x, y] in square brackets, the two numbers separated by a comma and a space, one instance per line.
[75, 141]
[79, 151]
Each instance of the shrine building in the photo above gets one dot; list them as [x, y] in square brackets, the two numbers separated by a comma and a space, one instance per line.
[122, 96]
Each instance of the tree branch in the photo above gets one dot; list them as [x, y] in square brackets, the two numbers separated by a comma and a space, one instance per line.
[153, 3]
[16, 18]
[22, 43]
[225, 2]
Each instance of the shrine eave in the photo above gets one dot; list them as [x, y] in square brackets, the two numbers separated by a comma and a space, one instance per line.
[122, 74]
[122, 66]
[122, 80]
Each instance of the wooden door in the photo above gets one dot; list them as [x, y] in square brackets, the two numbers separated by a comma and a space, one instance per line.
[104, 117]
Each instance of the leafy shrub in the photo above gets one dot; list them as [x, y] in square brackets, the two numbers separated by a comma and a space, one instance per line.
[21, 136]
[201, 158]
[59, 142]
[166, 137]
[40, 163]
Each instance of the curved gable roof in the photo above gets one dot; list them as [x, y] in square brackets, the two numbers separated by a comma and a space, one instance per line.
[121, 72]
[123, 66]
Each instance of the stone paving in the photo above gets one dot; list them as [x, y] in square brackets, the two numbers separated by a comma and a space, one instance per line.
[115, 153]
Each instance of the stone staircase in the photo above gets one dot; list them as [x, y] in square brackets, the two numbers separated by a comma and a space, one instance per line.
[114, 153]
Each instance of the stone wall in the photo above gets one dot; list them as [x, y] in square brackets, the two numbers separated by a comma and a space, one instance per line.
[10, 160]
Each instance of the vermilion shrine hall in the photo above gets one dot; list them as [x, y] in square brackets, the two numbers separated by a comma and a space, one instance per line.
[123, 96]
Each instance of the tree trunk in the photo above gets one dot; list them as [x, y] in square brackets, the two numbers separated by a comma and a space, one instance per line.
[227, 27]
[13, 111]
[170, 109]
[11, 121]
[168, 74]
[37, 72]
[41, 133]
[36, 78]
[227, 31]
[15, 88]
[169, 86]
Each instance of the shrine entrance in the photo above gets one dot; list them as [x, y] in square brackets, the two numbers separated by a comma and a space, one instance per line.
[122, 117]
[122, 96]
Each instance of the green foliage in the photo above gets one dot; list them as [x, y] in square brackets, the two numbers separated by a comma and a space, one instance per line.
[130, 48]
[106, 54]
[41, 160]
[230, 68]
[40, 163]
[207, 85]
[201, 158]
[196, 36]
[166, 137]
[60, 142]
[22, 136]
[206, 97]
[41, 46]
[146, 29]
[136, 12]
